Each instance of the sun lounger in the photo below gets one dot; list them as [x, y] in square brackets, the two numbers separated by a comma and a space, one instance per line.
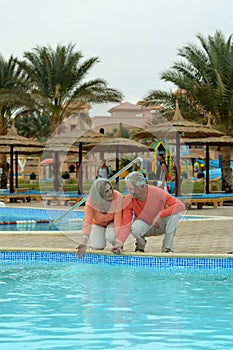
[59, 198]
[35, 195]
[202, 199]
[24, 197]
[225, 197]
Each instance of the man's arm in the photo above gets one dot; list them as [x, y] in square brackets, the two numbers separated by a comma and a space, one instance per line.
[172, 206]
[126, 219]
[125, 228]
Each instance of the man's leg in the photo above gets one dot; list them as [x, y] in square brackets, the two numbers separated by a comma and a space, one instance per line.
[139, 229]
[170, 226]
[97, 237]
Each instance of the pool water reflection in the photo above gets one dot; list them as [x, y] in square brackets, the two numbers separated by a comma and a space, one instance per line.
[118, 307]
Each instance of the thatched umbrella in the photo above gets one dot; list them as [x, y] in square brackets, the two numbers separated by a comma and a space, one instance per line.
[58, 145]
[210, 141]
[178, 124]
[179, 129]
[12, 139]
[72, 142]
[36, 151]
[118, 145]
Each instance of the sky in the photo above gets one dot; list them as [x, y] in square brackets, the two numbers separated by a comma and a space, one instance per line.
[134, 40]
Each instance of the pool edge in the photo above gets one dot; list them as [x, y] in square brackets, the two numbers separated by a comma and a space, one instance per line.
[128, 254]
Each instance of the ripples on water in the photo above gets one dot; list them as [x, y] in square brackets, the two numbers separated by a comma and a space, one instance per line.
[78, 306]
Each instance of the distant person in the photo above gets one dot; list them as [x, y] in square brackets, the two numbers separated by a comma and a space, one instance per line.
[32, 176]
[4, 175]
[172, 183]
[71, 168]
[154, 212]
[196, 167]
[162, 174]
[102, 217]
[200, 173]
[184, 175]
[102, 171]
[65, 175]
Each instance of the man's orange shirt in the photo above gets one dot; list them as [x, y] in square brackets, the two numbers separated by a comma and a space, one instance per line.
[157, 202]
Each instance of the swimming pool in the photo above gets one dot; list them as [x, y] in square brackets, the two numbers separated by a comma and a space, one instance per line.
[34, 219]
[55, 301]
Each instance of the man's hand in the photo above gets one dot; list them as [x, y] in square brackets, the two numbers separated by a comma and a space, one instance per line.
[157, 222]
[118, 247]
[81, 250]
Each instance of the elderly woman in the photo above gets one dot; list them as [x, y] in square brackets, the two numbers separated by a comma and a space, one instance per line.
[102, 219]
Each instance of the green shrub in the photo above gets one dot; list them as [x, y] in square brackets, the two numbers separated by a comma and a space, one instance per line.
[189, 186]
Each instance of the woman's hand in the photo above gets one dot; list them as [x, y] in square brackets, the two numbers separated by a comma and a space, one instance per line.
[81, 250]
[118, 247]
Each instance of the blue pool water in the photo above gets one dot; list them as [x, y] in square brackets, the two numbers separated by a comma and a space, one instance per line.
[56, 305]
[30, 219]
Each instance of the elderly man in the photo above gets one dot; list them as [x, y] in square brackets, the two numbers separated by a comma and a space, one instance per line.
[154, 212]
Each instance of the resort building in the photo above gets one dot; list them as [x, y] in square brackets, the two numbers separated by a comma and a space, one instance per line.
[129, 114]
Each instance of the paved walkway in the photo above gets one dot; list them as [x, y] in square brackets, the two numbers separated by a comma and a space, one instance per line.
[212, 236]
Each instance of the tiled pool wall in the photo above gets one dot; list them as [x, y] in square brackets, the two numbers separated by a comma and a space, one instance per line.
[122, 260]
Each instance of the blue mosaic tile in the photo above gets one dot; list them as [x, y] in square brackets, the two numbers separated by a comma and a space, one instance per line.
[120, 260]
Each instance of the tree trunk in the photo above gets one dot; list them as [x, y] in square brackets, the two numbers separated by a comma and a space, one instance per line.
[226, 171]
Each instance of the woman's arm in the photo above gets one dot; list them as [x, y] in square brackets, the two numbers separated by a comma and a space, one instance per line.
[87, 224]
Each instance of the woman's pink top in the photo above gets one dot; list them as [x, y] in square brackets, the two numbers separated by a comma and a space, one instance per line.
[96, 217]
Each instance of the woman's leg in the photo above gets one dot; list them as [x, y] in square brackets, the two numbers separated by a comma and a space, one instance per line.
[97, 237]
[110, 233]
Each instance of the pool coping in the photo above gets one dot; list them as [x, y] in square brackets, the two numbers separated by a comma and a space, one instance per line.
[159, 262]
[128, 254]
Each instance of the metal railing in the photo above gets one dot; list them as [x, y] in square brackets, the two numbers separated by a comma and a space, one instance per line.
[128, 166]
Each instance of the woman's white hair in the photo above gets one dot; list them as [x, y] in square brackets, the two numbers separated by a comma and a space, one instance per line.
[97, 191]
[137, 178]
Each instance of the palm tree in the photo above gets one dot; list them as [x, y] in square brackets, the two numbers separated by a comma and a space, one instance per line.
[204, 78]
[14, 99]
[119, 132]
[34, 126]
[59, 85]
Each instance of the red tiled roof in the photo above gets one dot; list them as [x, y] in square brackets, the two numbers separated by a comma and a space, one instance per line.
[126, 106]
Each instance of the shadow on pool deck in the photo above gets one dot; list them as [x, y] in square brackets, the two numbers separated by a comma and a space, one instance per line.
[193, 237]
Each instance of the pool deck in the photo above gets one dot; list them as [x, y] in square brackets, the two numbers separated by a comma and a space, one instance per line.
[212, 237]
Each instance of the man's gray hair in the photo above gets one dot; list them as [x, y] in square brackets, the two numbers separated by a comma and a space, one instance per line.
[97, 190]
[137, 178]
